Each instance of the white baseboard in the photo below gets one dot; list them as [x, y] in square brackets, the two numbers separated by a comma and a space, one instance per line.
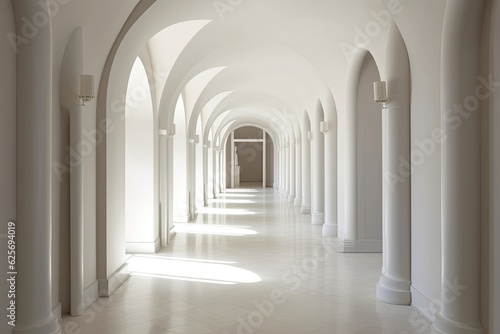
[90, 294]
[330, 230]
[423, 304]
[143, 247]
[57, 312]
[318, 218]
[108, 286]
[361, 246]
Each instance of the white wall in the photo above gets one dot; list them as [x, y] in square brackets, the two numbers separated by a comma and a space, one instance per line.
[98, 42]
[7, 143]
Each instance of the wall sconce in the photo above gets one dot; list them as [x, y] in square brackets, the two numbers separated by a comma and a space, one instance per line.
[86, 89]
[323, 126]
[171, 131]
[195, 140]
[309, 135]
[380, 93]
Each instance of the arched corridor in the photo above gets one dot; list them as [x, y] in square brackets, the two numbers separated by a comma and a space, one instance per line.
[249, 263]
[369, 131]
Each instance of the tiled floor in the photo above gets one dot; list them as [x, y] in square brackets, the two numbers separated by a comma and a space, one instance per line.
[251, 263]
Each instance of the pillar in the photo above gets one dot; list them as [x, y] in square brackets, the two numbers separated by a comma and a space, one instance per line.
[318, 175]
[206, 182]
[283, 167]
[330, 227]
[34, 159]
[298, 173]
[291, 163]
[394, 283]
[461, 163]
[286, 165]
[306, 171]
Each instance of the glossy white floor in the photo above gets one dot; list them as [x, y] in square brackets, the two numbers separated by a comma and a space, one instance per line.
[251, 263]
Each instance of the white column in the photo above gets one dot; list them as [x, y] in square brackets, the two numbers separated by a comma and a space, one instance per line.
[286, 163]
[291, 163]
[394, 284]
[298, 173]
[71, 68]
[279, 171]
[232, 160]
[493, 179]
[306, 173]
[461, 165]
[330, 227]
[264, 161]
[282, 168]
[276, 167]
[215, 171]
[191, 178]
[318, 175]
[34, 175]
[223, 171]
[76, 216]
[206, 180]
[163, 187]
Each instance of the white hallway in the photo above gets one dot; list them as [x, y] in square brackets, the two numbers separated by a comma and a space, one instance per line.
[250, 263]
[416, 182]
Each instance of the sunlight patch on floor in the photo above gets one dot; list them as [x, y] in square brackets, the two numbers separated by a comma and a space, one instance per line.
[214, 229]
[225, 211]
[190, 270]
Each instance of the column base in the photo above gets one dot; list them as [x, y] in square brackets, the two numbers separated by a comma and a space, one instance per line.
[48, 326]
[291, 198]
[297, 202]
[305, 209]
[393, 291]
[443, 325]
[285, 194]
[330, 230]
[108, 286]
[318, 218]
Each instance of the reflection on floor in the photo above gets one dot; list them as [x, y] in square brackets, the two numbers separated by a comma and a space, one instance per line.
[250, 263]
